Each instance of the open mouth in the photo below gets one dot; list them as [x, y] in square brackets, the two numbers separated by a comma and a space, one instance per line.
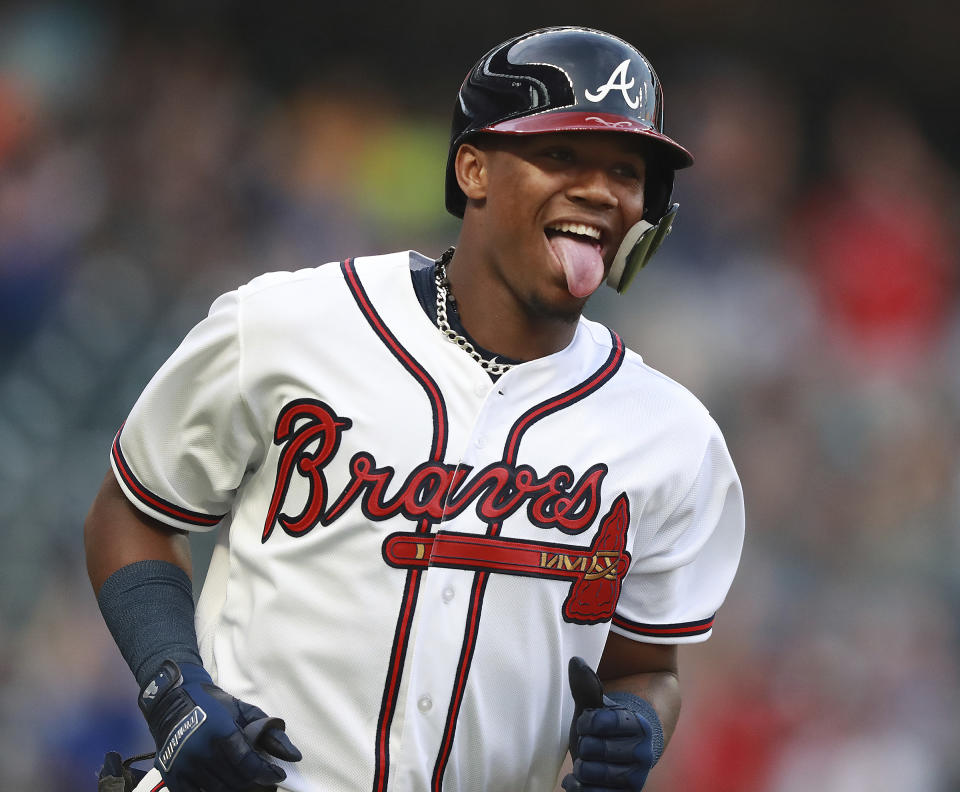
[575, 230]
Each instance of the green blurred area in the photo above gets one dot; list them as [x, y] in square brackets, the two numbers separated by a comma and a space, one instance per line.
[399, 177]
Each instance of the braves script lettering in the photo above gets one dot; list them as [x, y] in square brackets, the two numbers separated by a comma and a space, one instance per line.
[310, 433]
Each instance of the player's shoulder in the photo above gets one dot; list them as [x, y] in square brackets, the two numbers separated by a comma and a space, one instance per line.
[649, 390]
[280, 284]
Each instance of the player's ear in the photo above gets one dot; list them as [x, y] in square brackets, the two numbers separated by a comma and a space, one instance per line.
[470, 166]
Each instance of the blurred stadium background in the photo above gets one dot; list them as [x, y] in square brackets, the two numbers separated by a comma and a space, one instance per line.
[154, 155]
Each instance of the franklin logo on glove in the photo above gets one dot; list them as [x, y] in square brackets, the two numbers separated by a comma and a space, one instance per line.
[179, 736]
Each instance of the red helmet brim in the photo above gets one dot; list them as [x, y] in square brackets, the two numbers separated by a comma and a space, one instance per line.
[579, 121]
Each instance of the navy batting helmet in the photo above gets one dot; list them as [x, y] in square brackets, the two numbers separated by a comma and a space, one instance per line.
[561, 79]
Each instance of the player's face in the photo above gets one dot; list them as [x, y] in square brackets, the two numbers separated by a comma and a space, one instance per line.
[556, 208]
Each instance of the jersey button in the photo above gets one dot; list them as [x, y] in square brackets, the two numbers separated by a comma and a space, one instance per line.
[481, 389]
[448, 594]
[424, 703]
[481, 441]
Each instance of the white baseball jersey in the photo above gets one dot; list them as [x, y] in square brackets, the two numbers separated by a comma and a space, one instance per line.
[409, 553]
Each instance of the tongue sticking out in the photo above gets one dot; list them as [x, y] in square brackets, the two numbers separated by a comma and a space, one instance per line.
[582, 264]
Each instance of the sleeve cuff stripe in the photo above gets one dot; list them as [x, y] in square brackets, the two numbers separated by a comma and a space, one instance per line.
[155, 501]
[680, 629]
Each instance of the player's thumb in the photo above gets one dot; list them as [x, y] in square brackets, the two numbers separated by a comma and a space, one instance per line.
[587, 694]
[268, 735]
[585, 686]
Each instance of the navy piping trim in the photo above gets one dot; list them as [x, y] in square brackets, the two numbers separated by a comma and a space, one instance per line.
[679, 629]
[154, 501]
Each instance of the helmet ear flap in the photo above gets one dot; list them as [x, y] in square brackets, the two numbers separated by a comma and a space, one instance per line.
[657, 192]
[638, 246]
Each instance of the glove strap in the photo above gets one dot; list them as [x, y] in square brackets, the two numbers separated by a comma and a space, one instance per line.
[166, 678]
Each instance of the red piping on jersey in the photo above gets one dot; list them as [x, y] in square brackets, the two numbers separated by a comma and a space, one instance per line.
[511, 449]
[412, 587]
[674, 630]
[155, 501]
[158, 787]
[406, 359]
[565, 400]
[463, 668]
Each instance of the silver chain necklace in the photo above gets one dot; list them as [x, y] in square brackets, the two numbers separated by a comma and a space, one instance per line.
[443, 292]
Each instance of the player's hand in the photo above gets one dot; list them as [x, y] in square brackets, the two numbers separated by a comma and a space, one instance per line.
[611, 745]
[207, 740]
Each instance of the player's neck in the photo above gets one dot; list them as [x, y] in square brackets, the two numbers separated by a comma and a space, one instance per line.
[497, 319]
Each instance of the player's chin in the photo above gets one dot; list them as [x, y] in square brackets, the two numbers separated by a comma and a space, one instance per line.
[557, 304]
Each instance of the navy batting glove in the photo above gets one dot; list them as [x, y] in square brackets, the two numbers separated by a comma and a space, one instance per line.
[207, 740]
[614, 740]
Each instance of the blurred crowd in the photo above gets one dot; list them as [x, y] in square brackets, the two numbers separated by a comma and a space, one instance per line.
[808, 295]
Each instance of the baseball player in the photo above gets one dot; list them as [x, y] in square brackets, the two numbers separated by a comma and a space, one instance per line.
[461, 529]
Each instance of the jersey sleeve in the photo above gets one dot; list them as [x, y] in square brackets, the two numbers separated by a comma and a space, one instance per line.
[190, 437]
[683, 563]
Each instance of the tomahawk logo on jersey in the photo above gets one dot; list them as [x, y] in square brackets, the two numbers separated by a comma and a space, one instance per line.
[384, 509]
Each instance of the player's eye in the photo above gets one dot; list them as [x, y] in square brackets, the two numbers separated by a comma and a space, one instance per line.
[627, 171]
[559, 154]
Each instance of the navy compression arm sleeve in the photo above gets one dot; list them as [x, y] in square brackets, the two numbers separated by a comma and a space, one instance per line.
[148, 608]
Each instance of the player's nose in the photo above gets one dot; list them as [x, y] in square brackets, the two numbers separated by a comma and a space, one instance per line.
[593, 186]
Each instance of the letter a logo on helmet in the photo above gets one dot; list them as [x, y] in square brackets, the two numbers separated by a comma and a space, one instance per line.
[620, 73]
